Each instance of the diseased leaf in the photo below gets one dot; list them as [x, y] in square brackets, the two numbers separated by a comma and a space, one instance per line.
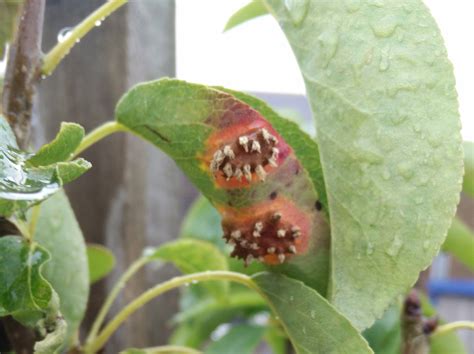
[101, 262]
[191, 256]
[57, 230]
[311, 322]
[23, 289]
[468, 182]
[61, 148]
[192, 123]
[460, 243]
[254, 9]
[22, 184]
[383, 95]
[241, 339]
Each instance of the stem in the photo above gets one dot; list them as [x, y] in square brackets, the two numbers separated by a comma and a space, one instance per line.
[60, 50]
[172, 349]
[98, 134]
[441, 330]
[134, 267]
[35, 212]
[157, 290]
[24, 61]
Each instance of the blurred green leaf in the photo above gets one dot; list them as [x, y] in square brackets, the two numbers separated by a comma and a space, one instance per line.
[460, 243]
[277, 340]
[9, 10]
[254, 9]
[192, 256]
[241, 339]
[61, 148]
[57, 231]
[101, 262]
[384, 336]
[311, 322]
[468, 181]
[168, 349]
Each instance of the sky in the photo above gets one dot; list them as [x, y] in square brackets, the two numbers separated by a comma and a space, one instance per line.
[256, 56]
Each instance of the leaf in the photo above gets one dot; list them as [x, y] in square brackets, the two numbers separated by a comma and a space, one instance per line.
[58, 231]
[460, 243]
[61, 148]
[311, 322]
[383, 95]
[191, 256]
[196, 324]
[254, 9]
[101, 262]
[22, 184]
[468, 182]
[276, 340]
[54, 340]
[384, 336]
[161, 350]
[241, 339]
[23, 289]
[187, 121]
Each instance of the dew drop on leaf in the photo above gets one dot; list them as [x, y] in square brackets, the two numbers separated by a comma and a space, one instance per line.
[297, 10]
[64, 34]
[395, 246]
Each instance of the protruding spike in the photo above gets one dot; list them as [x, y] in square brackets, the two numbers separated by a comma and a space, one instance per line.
[275, 153]
[217, 160]
[295, 232]
[272, 162]
[243, 141]
[256, 146]
[261, 172]
[259, 226]
[271, 250]
[281, 257]
[247, 172]
[249, 259]
[228, 170]
[238, 174]
[229, 152]
[292, 249]
[261, 259]
[236, 234]
[254, 246]
[256, 234]
[295, 229]
[276, 216]
[231, 242]
[266, 135]
[243, 243]
[281, 233]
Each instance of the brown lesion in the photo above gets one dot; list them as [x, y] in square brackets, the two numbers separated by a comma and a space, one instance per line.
[271, 232]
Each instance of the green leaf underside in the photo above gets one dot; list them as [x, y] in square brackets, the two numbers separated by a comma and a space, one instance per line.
[22, 184]
[101, 262]
[310, 321]
[252, 10]
[58, 231]
[61, 148]
[460, 243]
[383, 95]
[178, 117]
[192, 256]
[23, 289]
[241, 339]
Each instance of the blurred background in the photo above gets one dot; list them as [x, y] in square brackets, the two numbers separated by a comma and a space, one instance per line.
[135, 196]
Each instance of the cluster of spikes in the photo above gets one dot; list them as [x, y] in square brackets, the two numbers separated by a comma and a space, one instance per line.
[268, 240]
[248, 154]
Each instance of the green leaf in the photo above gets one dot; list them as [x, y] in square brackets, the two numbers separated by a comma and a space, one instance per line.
[57, 230]
[383, 95]
[468, 182]
[22, 184]
[460, 243]
[312, 324]
[252, 10]
[182, 119]
[23, 288]
[54, 340]
[191, 256]
[101, 262]
[276, 340]
[9, 10]
[169, 349]
[241, 339]
[384, 336]
[61, 148]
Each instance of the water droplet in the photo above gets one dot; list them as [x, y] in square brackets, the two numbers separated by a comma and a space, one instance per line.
[405, 170]
[352, 5]
[297, 9]
[370, 248]
[97, 23]
[291, 298]
[395, 246]
[416, 128]
[64, 34]
[385, 26]
[78, 40]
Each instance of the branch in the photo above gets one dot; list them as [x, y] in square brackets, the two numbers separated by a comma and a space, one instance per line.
[23, 68]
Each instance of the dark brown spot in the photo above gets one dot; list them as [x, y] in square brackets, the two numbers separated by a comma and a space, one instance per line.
[273, 195]
[318, 206]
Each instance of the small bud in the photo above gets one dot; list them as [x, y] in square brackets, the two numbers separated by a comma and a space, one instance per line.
[243, 141]
[276, 216]
[238, 174]
[259, 226]
[281, 233]
[236, 234]
[229, 152]
[256, 146]
[281, 257]
[292, 249]
[271, 250]
[248, 172]
[261, 172]
[272, 162]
